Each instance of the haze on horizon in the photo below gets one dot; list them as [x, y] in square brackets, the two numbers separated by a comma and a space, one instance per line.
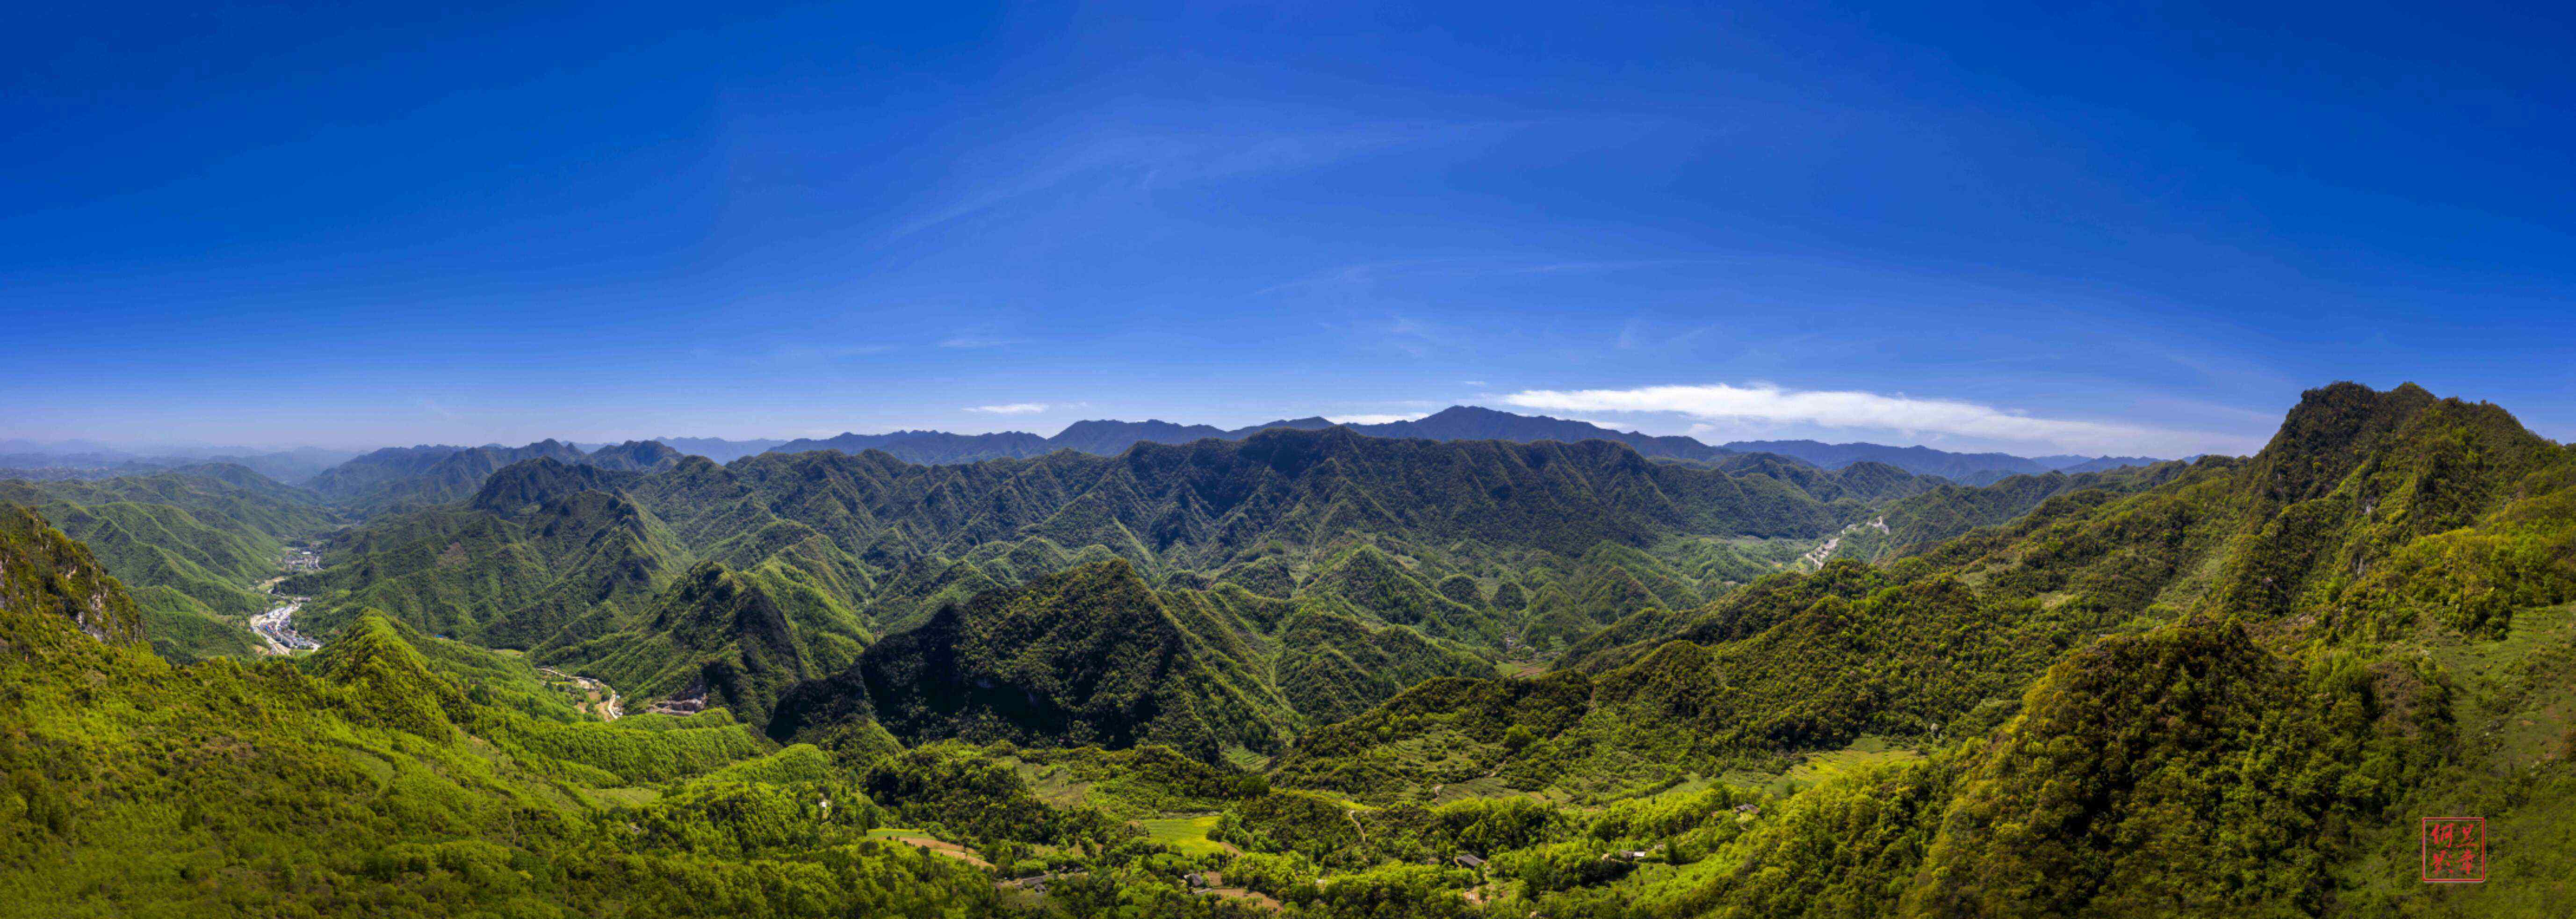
[270, 227]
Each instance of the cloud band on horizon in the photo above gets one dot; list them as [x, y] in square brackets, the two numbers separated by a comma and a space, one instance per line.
[1765, 404]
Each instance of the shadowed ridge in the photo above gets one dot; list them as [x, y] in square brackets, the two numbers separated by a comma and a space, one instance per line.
[1085, 656]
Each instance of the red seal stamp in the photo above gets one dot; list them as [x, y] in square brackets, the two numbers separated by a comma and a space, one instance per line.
[2455, 850]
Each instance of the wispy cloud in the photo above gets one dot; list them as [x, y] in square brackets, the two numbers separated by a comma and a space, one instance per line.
[1015, 408]
[1453, 268]
[1146, 159]
[1767, 404]
[1639, 333]
[978, 341]
[1373, 419]
[1411, 335]
[827, 352]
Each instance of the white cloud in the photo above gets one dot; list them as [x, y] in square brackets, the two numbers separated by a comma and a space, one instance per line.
[1373, 419]
[1015, 408]
[1736, 406]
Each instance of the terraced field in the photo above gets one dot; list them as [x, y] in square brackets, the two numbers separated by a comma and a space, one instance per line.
[1186, 835]
[935, 844]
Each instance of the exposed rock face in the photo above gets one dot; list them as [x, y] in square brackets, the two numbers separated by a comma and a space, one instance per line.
[43, 572]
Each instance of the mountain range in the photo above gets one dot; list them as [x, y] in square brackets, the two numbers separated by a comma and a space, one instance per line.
[1357, 675]
[396, 477]
[1109, 438]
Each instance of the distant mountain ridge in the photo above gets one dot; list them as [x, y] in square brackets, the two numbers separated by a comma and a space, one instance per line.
[404, 477]
[30, 460]
[1457, 422]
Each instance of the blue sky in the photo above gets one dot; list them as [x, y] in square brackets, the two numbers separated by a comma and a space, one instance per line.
[2100, 231]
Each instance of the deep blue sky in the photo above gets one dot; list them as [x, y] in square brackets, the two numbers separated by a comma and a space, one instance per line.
[2106, 230]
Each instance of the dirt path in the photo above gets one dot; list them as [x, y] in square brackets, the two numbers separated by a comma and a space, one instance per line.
[608, 709]
[938, 846]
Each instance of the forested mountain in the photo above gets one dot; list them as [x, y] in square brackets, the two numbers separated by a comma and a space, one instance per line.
[397, 478]
[1457, 422]
[1916, 522]
[406, 478]
[2072, 464]
[717, 448]
[1090, 656]
[633, 455]
[1110, 438]
[1967, 468]
[2358, 625]
[401, 478]
[929, 446]
[1457, 547]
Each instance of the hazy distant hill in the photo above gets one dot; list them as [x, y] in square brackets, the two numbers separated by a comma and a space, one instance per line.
[634, 455]
[30, 460]
[2107, 463]
[1968, 468]
[934, 447]
[717, 448]
[1458, 422]
[399, 477]
[1110, 438]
